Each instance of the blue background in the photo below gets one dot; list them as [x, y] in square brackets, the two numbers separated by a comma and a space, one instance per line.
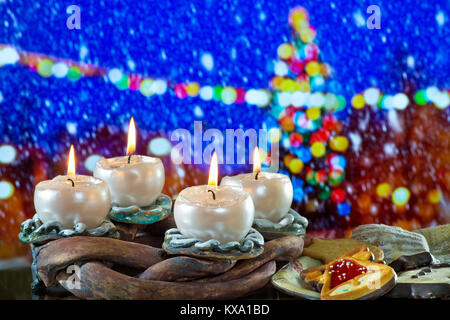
[168, 38]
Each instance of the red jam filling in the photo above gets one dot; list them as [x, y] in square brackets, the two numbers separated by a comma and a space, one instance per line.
[344, 270]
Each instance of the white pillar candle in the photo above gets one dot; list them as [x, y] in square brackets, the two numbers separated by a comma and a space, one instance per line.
[132, 179]
[87, 201]
[70, 199]
[272, 193]
[226, 218]
[138, 182]
[211, 212]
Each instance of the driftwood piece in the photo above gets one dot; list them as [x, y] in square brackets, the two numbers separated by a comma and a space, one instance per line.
[280, 249]
[100, 282]
[185, 268]
[69, 280]
[61, 253]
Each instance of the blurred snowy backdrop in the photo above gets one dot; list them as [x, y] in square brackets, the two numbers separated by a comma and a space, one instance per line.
[211, 42]
[171, 39]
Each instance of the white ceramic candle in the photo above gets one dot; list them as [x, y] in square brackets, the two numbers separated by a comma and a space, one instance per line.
[226, 218]
[72, 198]
[272, 193]
[211, 212]
[87, 201]
[132, 179]
[139, 182]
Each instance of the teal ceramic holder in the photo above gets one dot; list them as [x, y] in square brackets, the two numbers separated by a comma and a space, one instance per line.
[34, 231]
[293, 224]
[160, 209]
[250, 247]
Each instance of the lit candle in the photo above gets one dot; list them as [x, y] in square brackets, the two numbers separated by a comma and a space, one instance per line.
[72, 198]
[272, 193]
[210, 212]
[132, 179]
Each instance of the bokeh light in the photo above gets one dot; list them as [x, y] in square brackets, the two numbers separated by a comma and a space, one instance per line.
[6, 189]
[7, 154]
[159, 146]
[90, 162]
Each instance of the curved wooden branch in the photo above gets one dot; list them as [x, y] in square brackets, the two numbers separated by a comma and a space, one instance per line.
[68, 281]
[100, 282]
[280, 249]
[61, 253]
[185, 268]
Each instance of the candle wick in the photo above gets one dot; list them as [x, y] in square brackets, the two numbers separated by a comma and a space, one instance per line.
[129, 158]
[256, 176]
[73, 183]
[214, 195]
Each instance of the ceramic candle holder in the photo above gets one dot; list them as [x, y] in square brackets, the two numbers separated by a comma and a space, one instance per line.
[159, 210]
[251, 246]
[293, 224]
[34, 231]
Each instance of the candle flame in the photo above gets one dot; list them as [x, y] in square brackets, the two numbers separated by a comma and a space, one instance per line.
[213, 171]
[256, 161]
[131, 145]
[71, 162]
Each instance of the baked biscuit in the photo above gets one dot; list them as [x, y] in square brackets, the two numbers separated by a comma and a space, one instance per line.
[328, 250]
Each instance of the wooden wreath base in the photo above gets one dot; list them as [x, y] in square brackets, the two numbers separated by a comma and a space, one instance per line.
[105, 268]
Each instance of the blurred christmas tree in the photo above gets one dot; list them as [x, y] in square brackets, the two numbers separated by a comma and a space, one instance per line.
[314, 147]
[379, 162]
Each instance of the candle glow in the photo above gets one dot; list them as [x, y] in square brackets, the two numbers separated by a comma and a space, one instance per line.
[131, 145]
[71, 162]
[213, 171]
[256, 161]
